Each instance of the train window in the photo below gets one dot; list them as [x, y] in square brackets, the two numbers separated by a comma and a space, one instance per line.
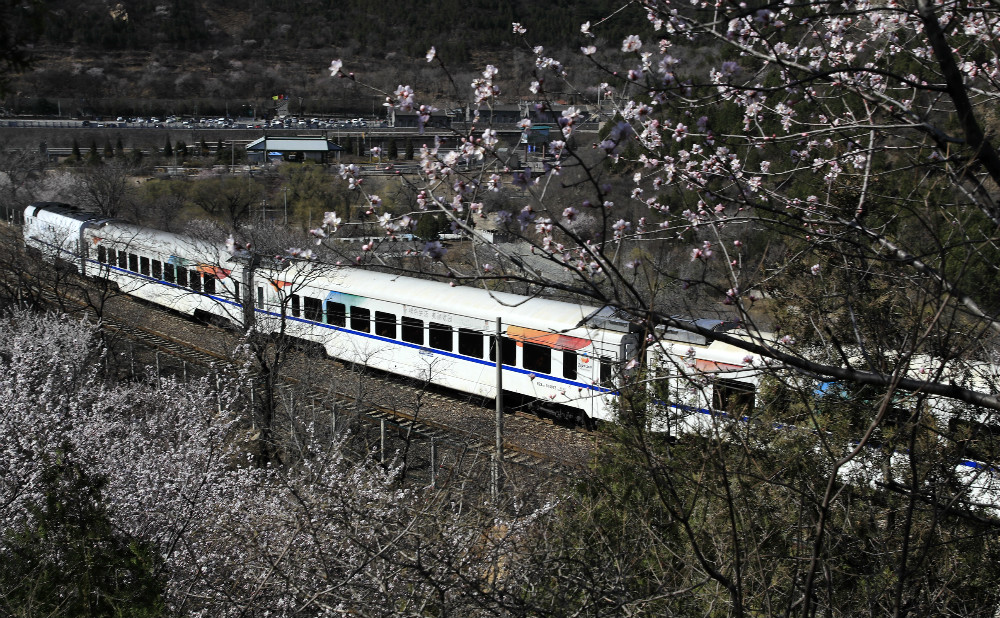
[413, 331]
[210, 283]
[133, 262]
[537, 358]
[157, 269]
[470, 343]
[385, 324]
[336, 314]
[296, 306]
[360, 319]
[260, 297]
[313, 309]
[733, 396]
[236, 290]
[102, 254]
[122, 259]
[194, 278]
[508, 351]
[169, 274]
[441, 337]
[182, 276]
[605, 376]
[569, 364]
[144, 265]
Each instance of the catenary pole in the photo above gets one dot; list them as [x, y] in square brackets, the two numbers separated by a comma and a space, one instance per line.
[498, 453]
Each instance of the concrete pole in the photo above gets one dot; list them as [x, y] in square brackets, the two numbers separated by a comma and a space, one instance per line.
[433, 463]
[498, 453]
[382, 441]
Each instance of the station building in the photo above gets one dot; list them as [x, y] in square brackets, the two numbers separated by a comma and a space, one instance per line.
[298, 148]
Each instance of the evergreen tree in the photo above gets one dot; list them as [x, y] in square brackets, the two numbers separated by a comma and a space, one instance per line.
[68, 560]
[77, 156]
[168, 150]
[109, 151]
[93, 156]
[119, 148]
[409, 149]
[393, 150]
[430, 226]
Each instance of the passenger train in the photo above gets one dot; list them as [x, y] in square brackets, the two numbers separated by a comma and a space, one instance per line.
[563, 357]
[566, 358]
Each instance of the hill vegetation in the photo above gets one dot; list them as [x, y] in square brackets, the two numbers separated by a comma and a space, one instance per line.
[208, 57]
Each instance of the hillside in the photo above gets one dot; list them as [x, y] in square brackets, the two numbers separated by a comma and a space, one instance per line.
[198, 56]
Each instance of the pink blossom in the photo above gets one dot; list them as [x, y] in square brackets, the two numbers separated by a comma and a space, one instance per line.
[404, 98]
[332, 221]
[631, 43]
[489, 138]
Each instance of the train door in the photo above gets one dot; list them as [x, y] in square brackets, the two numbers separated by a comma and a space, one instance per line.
[631, 350]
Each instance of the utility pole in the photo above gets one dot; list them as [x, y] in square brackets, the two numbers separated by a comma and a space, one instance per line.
[498, 453]
[285, 191]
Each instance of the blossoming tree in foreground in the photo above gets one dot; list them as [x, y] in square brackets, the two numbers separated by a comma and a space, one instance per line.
[827, 174]
[144, 499]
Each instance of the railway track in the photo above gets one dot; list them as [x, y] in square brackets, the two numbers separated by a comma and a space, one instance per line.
[432, 416]
[427, 423]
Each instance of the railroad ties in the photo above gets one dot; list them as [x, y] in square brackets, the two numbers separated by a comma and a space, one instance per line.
[441, 435]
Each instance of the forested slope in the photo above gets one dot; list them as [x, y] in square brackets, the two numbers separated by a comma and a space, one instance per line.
[114, 55]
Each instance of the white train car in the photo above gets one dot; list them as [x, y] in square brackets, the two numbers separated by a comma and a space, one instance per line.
[56, 231]
[562, 356]
[553, 353]
[172, 270]
[694, 379]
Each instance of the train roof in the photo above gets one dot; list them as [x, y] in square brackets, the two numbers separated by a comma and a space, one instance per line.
[166, 242]
[469, 301]
[58, 213]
